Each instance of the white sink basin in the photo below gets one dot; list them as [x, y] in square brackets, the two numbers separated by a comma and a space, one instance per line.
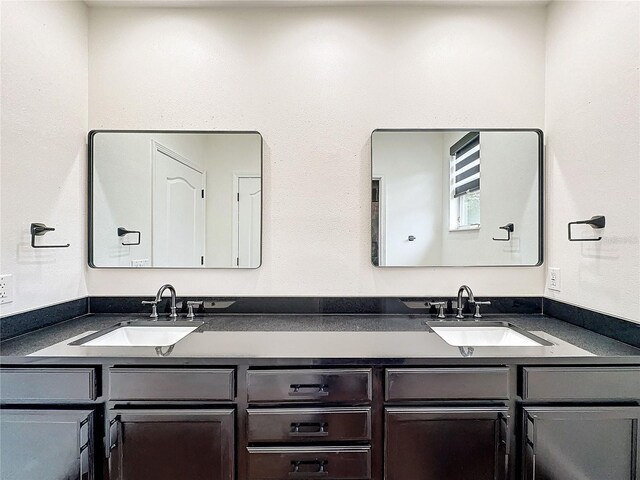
[460, 335]
[141, 336]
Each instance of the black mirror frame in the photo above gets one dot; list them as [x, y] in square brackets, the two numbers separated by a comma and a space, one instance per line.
[90, 140]
[540, 191]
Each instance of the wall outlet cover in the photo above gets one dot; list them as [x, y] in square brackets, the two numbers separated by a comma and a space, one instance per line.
[554, 279]
[141, 263]
[6, 289]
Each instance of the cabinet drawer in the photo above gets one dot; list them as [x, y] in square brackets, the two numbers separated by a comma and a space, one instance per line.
[339, 385]
[344, 463]
[48, 384]
[447, 384]
[171, 384]
[309, 424]
[581, 383]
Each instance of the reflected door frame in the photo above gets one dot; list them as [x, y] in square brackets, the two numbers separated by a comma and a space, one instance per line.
[156, 148]
[235, 221]
[382, 221]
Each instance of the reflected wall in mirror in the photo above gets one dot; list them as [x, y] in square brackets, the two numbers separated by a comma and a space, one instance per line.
[175, 199]
[456, 198]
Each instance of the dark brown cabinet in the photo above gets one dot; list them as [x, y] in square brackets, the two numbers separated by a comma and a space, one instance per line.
[48, 385]
[420, 384]
[307, 463]
[581, 383]
[452, 443]
[581, 443]
[378, 423]
[331, 440]
[309, 425]
[339, 385]
[171, 444]
[172, 384]
[46, 445]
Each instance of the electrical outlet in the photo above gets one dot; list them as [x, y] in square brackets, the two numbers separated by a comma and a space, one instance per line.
[554, 279]
[6, 289]
[143, 262]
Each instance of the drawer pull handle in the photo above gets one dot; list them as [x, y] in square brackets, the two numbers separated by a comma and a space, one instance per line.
[306, 472]
[302, 429]
[309, 390]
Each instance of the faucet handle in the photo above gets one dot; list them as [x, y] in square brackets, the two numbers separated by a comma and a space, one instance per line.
[440, 306]
[154, 307]
[477, 304]
[190, 305]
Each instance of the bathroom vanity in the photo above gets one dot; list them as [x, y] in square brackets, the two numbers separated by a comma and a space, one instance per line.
[410, 396]
[294, 167]
[334, 397]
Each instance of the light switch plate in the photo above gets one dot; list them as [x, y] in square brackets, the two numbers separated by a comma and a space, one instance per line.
[554, 279]
[6, 289]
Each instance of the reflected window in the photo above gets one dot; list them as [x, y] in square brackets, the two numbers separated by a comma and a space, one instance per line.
[427, 207]
[469, 209]
[464, 179]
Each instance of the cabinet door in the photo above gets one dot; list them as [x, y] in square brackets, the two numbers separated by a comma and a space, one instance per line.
[446, 443]
[46, 445]
[581, 443]
[171, 444]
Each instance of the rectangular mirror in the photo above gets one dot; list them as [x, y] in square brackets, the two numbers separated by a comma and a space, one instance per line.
[456, 198]
[162, 199]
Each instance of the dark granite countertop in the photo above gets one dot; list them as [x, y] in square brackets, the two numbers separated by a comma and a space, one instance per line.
[315, 337]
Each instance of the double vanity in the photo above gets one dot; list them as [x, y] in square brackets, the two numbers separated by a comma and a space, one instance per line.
[351, 397]
[317, 177]
[204, 390]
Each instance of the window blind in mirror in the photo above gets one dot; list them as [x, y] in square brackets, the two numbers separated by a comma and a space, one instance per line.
[466, 161]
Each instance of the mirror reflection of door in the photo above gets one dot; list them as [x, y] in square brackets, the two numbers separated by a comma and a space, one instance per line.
[247, 221]
[178, 210]
[195, 198]
[377, 221]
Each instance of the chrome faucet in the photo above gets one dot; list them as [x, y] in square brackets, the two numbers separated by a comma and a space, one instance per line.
[173, 315]
[440, 306]
[461, 290]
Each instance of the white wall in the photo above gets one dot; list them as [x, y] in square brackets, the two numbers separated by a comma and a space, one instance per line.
[410, 167]
[43, 154]
[316, 82]
[593, 147]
